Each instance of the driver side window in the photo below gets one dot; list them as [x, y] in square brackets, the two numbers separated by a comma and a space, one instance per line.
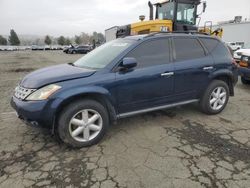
[150, 53]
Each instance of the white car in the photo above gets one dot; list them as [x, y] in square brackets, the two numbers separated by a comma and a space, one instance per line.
[234, 46]
[239, 53]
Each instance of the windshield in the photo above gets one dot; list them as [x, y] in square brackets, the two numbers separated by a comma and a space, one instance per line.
[185, 13]
[103, 55]
[247, 46]
[166, 11]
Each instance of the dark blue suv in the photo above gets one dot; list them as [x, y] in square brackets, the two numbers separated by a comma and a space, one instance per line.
[125, 77]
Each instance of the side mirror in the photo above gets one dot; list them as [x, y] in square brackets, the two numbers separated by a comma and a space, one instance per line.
[128, 63]
[204, 6]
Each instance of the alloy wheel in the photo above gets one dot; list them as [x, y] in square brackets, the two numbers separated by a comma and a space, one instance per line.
[218, 98]
[85, 125]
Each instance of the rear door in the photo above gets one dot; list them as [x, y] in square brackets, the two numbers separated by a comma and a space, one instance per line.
[149, 84]
[192, 66]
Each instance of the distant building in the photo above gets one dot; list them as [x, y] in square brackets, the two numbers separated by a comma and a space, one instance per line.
[237, 32]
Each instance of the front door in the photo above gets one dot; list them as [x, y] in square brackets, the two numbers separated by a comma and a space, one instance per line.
[151, 82]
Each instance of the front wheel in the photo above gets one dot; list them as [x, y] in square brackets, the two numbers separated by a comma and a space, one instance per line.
[83, 123]
[215, 97]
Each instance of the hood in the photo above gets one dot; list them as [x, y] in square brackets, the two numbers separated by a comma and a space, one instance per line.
[54, 74]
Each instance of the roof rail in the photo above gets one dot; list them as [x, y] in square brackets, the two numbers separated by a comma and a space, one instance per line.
[184, 32]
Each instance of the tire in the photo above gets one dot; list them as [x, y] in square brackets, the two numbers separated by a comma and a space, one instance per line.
[211, 98]
[74, 52]
[75, 116]
[244, 81]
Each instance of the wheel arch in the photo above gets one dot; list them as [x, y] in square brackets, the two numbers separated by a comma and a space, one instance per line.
[227, 77]
[102, 98]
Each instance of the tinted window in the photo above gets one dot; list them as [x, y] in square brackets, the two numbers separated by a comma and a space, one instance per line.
[151, 53]
[215, 47]
[188, 48]
[210, 44]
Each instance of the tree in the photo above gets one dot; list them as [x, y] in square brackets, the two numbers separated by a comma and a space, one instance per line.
[3, 41]
[78, 39]
[47, 40]
[67, 41]
[97, 38]
[85, 38]
[61, 40]
[13, 38]
[100, 37]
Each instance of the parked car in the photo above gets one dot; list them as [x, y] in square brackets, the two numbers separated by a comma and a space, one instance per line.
[245, 67]
[234, 46]
[36, 47]
[47, 47]
[125, 77]
[238, 53]
[67, 48]
[82, 49]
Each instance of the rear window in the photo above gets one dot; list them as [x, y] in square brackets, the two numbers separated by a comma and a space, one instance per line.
[188, 48]
[215, 47]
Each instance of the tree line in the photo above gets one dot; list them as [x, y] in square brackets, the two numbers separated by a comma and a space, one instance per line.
[13, 39]
[83, 38]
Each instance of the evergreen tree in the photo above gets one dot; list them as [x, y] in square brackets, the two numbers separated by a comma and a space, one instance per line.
[13, 38]
[67, 41]
[3, 41]
[78, 39]
[47, 40]
[61, 40]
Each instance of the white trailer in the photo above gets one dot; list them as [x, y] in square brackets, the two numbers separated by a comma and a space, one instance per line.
[110, 34]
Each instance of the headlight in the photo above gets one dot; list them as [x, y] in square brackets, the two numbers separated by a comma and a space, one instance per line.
[43, 93]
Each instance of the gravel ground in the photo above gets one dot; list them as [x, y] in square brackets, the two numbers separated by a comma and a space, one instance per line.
[180, 147]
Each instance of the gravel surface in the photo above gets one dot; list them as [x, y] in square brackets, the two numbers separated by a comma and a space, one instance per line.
[179, 147]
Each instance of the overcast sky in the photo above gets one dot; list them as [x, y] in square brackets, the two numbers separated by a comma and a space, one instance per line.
[70, 17]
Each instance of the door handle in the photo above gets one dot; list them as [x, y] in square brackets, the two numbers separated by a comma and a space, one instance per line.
[208, 68]
[167, 74]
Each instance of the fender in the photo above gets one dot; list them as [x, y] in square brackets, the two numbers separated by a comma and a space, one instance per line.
[221, 72]
[69, 94]
[81, 90]
[225, 73]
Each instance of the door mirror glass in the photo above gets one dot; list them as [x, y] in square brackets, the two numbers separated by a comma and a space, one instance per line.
[129, 62]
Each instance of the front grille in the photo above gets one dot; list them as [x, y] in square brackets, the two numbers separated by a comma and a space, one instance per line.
[22, 93]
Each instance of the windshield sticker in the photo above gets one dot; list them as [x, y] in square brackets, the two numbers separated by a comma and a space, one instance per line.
[120, 44]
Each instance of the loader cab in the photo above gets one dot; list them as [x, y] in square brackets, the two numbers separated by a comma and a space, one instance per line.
[183, 13]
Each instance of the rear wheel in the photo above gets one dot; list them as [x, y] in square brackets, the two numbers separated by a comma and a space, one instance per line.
[215, 97]
[83, 123]
[244, 81]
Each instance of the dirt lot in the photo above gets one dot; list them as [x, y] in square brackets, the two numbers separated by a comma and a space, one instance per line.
[180, 147]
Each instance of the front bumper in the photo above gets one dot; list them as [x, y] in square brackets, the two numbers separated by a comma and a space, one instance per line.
[35, 113]
[244, 72]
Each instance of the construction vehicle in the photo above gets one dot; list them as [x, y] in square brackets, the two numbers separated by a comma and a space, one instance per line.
[170, 16]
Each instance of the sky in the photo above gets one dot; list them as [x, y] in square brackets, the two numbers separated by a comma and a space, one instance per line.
[71, 17]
